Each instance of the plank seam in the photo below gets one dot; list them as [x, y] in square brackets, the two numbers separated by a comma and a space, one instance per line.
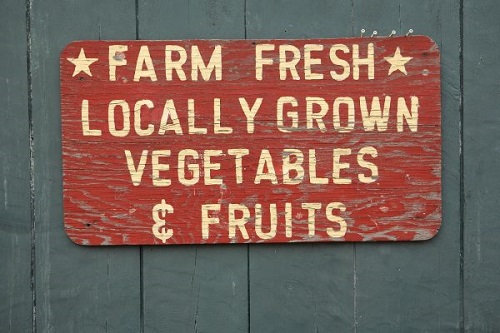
[141, 290]
[32, 165]
[354, 282]
[248, 288]
[248, 245]
[462, 186]
[245, 17]
[352, 18]
[137, 19]
[354, 274]
[141, 248]
[399, 14]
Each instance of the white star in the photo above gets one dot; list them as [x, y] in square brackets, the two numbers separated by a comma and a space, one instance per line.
[82, 63]
[397, 62]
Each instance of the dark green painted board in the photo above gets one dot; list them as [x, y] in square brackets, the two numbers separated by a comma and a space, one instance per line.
[481, 146]
[194, 288]
[416, 287]
[15, 224]
[298, 19]
[78, 289]
[201, 19]
[300, 287]
[376, 17]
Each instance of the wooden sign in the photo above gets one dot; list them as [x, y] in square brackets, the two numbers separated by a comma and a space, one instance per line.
[249, 141]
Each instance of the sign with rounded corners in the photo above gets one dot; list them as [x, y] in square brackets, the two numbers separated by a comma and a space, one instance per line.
[251, 141]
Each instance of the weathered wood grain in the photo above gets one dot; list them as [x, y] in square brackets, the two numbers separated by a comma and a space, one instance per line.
[15, 211]
[194, 288]
[78, 289]
[481, 149]
[377, 182]
[415, 287]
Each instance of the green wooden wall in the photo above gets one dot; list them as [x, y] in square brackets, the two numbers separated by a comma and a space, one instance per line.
[48, 284]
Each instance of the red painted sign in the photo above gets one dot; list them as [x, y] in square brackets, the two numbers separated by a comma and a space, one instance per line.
[249, 141]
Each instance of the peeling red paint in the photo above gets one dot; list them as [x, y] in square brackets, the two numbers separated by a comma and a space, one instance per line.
[103, 207]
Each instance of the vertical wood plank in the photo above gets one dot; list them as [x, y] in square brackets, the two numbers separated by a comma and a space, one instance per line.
[79, 289]
[382, 16]
[194, 288]
[15, 217]
[300, 287]
[481, 148]
[415, 286]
